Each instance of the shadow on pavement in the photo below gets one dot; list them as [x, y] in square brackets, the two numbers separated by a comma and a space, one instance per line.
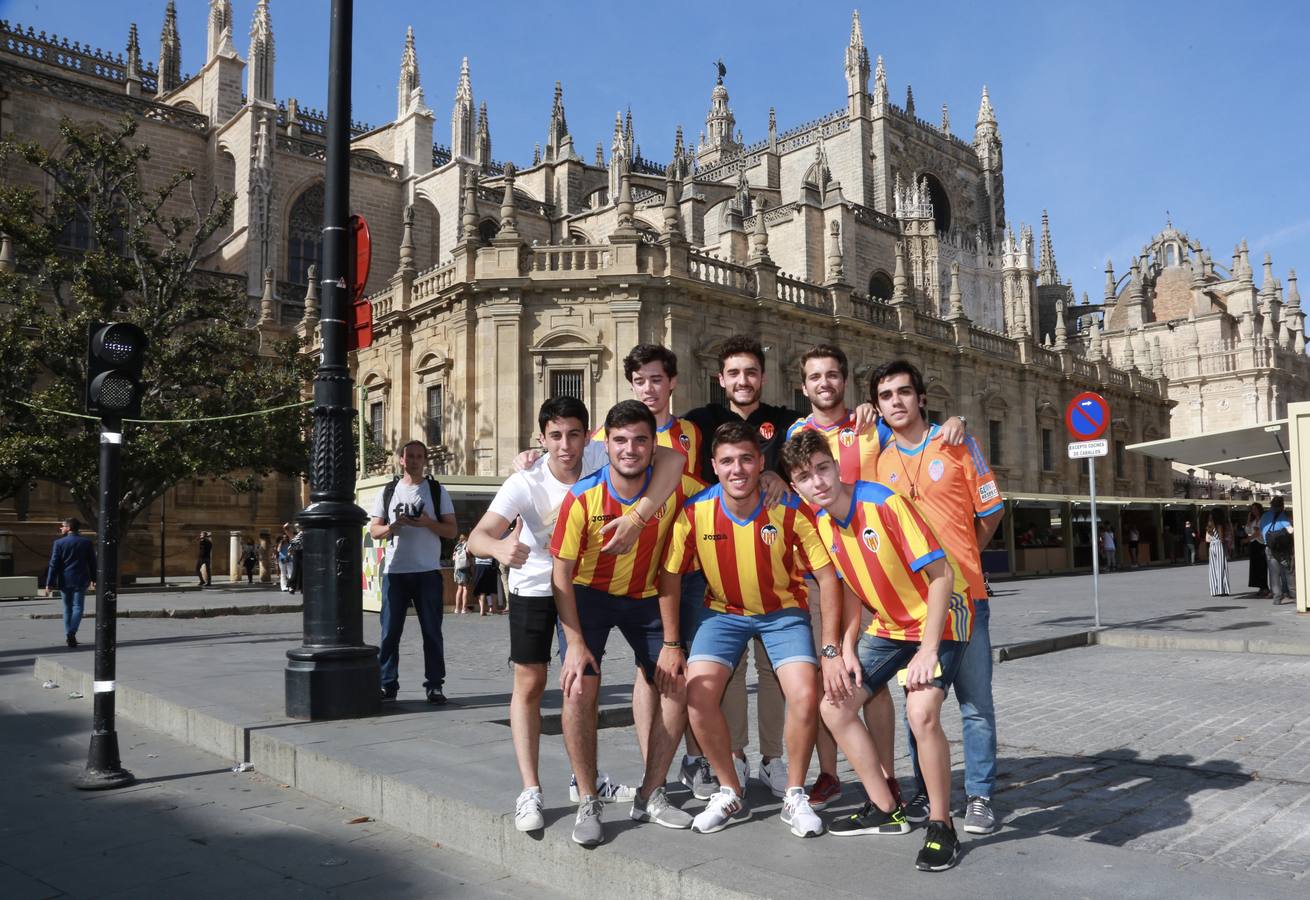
[1110, 798]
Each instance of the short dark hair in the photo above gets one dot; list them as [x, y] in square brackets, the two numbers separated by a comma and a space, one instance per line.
[1276, 503]
[563, 408]
[826, 351]
[400, 451]
[72, 524]
[796, 453]
[734, 433]
[740, 344]
[644, 354]
[629, 412]
[899, 367]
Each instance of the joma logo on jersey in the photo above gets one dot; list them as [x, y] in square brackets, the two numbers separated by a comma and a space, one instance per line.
[603, 517]
[846, 436]
[768, 534]
[713, 537]
[870, 538]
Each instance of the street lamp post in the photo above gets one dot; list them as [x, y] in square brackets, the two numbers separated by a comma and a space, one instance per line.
[334, 674]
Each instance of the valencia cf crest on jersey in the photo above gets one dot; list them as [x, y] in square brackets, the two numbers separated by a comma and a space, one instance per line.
[870, 538]
[685, 441]
[936, 469]
[846, 436]
[768, 534]
[766, 431]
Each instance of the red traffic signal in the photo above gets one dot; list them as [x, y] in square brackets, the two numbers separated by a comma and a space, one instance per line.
[115, 356]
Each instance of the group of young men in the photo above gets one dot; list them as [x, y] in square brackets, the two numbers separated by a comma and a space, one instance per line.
[738, 524]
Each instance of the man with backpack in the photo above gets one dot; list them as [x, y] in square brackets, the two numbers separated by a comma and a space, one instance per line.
[1276, 531]
[414, 513]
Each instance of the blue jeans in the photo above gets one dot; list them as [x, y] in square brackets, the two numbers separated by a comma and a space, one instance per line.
[423, 589]
[73, 603]
[973, 689]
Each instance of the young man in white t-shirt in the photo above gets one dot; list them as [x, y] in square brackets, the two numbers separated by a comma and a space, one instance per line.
[411, 570]
[531, 499]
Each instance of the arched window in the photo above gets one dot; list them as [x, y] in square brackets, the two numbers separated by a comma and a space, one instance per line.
[941, 203]
[880, 286]
[488, 230]
[305, 235]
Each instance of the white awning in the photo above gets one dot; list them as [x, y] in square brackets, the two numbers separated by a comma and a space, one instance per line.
[1258, 453]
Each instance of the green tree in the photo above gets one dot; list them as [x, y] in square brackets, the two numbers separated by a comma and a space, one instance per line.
[100, 244]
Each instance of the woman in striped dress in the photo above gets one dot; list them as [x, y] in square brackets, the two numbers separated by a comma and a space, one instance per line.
[1216, 537]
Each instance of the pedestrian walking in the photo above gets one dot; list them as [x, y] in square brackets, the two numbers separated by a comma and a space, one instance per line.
[1276, 531]
[1108, 549]
[295, 554]
[72, 570]
[249, 559]
[1259, 575]
[463, 566]
[1217, 539]
[1189, 542]
[282, 553]
[1134, 541]
[205, 559]
[414, 512]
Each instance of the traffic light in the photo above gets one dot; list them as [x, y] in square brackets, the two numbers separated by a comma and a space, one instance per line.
[115, 355]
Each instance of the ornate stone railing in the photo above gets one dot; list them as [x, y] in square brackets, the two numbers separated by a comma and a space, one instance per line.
[997, 345]
[935, 329]
[1117, 378]
[440, 155]
[873, 311]
[104, 98]
[76, 57]
[1047, 358]
[314, 121]
[362, 161]
[383, 303]
[433, 281]
[802, 293]
[1085, 368]
[643, 166]
[571, 258]
[868, 216]
[720, 272]
[522, 201]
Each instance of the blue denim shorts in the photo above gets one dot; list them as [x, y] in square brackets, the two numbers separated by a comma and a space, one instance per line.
[786, 634]
[691, 608]
[881, 658]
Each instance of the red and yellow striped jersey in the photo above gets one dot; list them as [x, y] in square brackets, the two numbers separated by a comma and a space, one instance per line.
[954, 487]
[753, 566]
[880, 551]
[856, 454]
[592, 503]
[677, 434]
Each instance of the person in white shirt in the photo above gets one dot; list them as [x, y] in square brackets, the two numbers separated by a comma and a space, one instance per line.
[414, 518]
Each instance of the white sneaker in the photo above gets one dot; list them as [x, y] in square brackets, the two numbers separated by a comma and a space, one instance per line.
[724, 808]
[774, 775]
[606, 790]
[799, 815]
[527, 811]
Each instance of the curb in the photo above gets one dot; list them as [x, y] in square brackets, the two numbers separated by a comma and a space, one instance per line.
[404, 801]
[1148, 640]
[202, 613]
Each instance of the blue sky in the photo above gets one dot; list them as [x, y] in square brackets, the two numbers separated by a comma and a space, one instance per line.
[1111, 113]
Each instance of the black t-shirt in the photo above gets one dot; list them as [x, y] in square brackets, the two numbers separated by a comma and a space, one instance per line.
[771, 422]
[206, 549]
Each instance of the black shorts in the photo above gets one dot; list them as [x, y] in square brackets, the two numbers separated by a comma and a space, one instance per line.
[532, 622]
[485, 580]
[637, 620]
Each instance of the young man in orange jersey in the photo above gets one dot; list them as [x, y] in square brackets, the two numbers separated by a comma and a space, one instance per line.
[824, 373]
[958, 495]
[751, 555]
[596, 592]
[890, 560]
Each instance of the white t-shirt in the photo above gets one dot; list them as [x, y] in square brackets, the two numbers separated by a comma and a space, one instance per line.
[412, 548]
[535, 494]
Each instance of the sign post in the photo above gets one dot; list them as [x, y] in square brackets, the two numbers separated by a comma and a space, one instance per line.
[1087, 417]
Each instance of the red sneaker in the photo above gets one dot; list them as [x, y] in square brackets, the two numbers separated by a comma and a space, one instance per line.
[827, 788]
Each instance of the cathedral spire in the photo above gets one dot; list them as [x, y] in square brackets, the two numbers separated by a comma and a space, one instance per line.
[946, 120]
[909, 100]
[259, 77]
[1047, 273]
[558, 134]
[170, 51]
[629, 139]
[463, 126]
[132, 70]
[986, 115]
[220, 29]
[720, 124]
[483, 156]
[857, 68]
[880, 85]
[409, 91]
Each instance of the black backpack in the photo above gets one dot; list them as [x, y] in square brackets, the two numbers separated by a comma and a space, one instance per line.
[389, 491]
[1279, 544]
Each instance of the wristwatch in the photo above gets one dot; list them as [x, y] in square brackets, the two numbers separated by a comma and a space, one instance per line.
[829, 651]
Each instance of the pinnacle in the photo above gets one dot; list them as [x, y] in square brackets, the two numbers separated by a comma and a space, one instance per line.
[857, 33]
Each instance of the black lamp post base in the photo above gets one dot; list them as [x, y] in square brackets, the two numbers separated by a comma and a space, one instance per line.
[106, 772]
[333, 683]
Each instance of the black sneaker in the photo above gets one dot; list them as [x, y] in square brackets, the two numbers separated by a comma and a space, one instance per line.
[916, 811]
[941, 848]
[871, 820]
[389, 693]
[435, 696]
[71, 640]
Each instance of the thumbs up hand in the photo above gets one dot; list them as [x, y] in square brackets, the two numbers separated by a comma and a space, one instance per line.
[510, 550]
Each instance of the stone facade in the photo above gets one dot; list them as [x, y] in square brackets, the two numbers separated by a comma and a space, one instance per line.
[494, 285]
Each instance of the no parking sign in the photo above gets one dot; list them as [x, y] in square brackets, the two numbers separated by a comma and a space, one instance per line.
[1087, 416]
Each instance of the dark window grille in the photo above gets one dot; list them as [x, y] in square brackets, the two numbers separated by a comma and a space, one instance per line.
[566, 383]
